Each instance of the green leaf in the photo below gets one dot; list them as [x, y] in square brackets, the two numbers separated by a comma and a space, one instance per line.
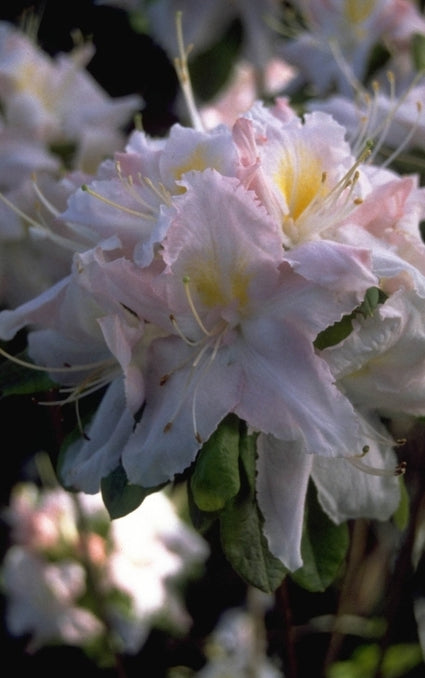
[402, 514]
[397, 662]
[215, 478]
[342, 328]
[323, 547]
[241, 529]
[418, 51]
[335, 333]
[201, 520]
[20, 380]
[119, 497]
[370, 302]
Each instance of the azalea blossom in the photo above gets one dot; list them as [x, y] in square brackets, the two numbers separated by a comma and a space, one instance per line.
[218, 304]
[332, 53]
[154, 553]
[144, 557]
[302, 170]
[205, 23]
[234, 646]
[397, 122]
[36, 245]
[56, 101]
[41, 521]
[348, 488]
[42, 600]
[243, 90]
[135, 186]
[381, 363]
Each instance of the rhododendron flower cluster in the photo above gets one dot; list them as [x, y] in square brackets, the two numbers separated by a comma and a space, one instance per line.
[222, 257]
[56, 126]
[65, 554]
[233, 309]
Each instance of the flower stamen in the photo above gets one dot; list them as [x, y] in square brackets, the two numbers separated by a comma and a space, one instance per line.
[186, 283]
[356, 461]
[112, 203]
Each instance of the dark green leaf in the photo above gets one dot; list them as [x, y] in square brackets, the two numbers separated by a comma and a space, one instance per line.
[119, 497]
[402, 514]
[334, 334]
[418, 51]
[215, 478]
[241, 529]
[342, 328]
[201, 520]
[323, 548]
[379, 55]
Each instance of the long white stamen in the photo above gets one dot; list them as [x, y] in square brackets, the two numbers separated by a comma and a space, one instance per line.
[112, 203]
[406, 139]
[186, 282]
[190, 342]
[356, 461]
[65, 368]
[372, 470]
[203, 372]
[180, 64]
[79, 391]
[380, 130]
[128, 183]
[196, 373]
[160, 191]
[344, 65]
[19, 212]
[47, 204]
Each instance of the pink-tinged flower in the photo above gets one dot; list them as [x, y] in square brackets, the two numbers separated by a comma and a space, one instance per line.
[242, 318]
[381, 364]
[42, 600]
[244, 88]
[41, 521]
[204, 24]
[128, 194]
[387, 222]
[396, 123]
[303, 171]
[334, 50]
[84, 345]
[143, 557]
[21, 156]
[57, 100]
[347, 488]
[153, 552]
[36, 246]
[232, 649]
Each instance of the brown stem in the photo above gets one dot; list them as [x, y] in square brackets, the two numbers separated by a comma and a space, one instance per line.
[356, 554]
[403, 568]
[288, 645]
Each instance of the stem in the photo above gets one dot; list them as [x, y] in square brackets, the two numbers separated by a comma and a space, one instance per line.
[403, 568]
[288, 645]
[357, 550]
[182, 70]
